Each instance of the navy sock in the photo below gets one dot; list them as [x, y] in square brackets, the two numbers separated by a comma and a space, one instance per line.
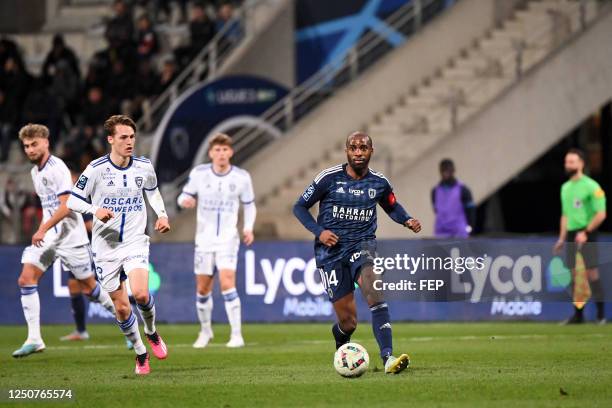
[381, 326]
[78, 311]
[342, 337]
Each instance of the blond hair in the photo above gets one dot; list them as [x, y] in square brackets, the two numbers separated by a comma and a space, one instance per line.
[33, 130]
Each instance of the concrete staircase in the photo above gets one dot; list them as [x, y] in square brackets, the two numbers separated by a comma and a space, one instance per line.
[430, 112]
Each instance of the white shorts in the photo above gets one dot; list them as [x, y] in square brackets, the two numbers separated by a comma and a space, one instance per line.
[112, 271]
[204, 262]
[76, 259]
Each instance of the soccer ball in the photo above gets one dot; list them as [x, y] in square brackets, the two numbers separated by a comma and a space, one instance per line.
[351, 360]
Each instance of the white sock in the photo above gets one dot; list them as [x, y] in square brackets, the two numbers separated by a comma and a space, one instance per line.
[100, 296]
[232, 308]
[129, 328]
[147, 312]
[30, 303]
[204, 306]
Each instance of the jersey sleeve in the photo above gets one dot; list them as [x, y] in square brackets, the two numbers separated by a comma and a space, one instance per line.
[190, 188]
[314, 192]
[84, 187]
[389, 203]
[247, 195]
[598, 197]
[151, 181]
[64, 180]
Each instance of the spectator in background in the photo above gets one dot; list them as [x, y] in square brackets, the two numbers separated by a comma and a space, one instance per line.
[95, 75]
[201, 32]
[60, 54]
[453, 205]
[96, 109]
[146, 87]
[86, 142]
[15, 82]
[42, 106]
[225, 14]
[12, 200]
[8, 49]
[168, 75]
[201, 28]
[163, 6]
[8, 124]
[147, 42]
[120, 37]
[64, 86]
[120, 29]
[120, 86]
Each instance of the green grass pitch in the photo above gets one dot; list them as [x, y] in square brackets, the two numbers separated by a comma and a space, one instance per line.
[290, 365]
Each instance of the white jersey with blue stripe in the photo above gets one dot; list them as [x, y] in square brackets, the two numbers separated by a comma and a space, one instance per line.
[219, 197]
[52, 180]
[119, 189]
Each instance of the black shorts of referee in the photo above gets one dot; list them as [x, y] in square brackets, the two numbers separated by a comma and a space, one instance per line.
[588, 250]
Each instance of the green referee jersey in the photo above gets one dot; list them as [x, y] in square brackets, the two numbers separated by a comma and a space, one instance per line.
[580, 200]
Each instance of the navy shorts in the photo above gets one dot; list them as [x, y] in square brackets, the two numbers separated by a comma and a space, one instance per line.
[339, 278]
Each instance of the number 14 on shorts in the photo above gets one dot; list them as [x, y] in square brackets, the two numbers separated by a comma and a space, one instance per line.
[328, 279]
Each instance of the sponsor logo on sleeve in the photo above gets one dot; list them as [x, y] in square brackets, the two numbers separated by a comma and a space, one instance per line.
[82, 182]
[308, 192]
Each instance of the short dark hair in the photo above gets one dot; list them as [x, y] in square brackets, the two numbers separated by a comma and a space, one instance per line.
[578, 152]
[113, 121]
[220, 139]
[360, 134]
[446, 164]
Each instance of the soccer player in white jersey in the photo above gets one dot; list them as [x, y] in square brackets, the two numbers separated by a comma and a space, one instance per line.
[111, 188]
[61, 235]
[217, 189]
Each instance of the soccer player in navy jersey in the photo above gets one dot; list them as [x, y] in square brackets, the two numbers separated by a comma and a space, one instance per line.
[345, 243]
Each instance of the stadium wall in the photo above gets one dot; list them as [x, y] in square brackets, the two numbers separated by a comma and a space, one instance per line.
[521, 125]
[329, 124]
[278, 282]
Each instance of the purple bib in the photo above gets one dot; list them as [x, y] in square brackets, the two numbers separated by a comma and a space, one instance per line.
[450, 215]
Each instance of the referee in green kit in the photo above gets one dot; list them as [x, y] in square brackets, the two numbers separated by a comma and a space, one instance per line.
[583, 204]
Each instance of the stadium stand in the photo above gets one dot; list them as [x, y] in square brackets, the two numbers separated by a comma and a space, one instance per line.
[435, 107]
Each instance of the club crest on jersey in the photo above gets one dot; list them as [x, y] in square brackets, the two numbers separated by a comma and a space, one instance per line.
[577, 203]
[44, 181]
[371, 192]
[139, 181]
[232, 187]
[82, 182]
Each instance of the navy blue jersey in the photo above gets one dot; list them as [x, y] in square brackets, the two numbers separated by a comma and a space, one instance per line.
[347, 207]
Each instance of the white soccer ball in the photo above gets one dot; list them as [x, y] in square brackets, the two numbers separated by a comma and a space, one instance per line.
[351, 360]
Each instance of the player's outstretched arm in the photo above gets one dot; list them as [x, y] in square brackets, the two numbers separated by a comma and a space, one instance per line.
[188, 197]
[156, 202]
[397, 213]
[250, 212]
[300, 209]
[61, 213]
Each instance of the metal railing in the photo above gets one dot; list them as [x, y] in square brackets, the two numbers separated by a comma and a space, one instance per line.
[407, 20]
[338, 73]
[204, 65]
